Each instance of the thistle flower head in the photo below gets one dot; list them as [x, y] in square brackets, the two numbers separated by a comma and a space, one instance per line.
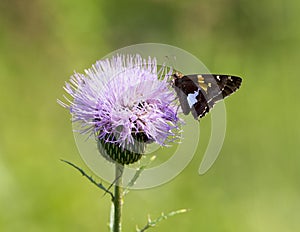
[124, 101]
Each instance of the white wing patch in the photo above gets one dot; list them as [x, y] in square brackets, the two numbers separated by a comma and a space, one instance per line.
[191, 98]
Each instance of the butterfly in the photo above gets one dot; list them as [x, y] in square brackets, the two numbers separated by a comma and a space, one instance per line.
[198, 93]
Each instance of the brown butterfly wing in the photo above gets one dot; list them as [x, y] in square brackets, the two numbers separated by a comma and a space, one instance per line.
[210, 88]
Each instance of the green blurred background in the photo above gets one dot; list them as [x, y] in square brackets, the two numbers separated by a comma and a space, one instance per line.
[253, 186]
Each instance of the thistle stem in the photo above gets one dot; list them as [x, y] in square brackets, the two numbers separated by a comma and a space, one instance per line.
[118, 198]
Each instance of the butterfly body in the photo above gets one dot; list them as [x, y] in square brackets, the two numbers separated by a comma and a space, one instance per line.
[198, 93]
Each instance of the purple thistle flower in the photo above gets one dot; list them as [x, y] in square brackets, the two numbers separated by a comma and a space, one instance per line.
[124, 101]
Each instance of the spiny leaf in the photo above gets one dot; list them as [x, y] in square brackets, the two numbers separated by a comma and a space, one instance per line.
[153, 223]
[137, 175]
[99, 185]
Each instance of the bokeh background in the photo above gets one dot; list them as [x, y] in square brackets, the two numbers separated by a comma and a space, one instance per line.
[253, 186]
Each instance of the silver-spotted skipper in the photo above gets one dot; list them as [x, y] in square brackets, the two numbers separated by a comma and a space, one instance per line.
[198, 93]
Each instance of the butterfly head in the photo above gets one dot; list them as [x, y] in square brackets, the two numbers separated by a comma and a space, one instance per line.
[177, 75]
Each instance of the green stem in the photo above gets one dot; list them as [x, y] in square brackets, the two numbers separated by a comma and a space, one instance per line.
[118, 199]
